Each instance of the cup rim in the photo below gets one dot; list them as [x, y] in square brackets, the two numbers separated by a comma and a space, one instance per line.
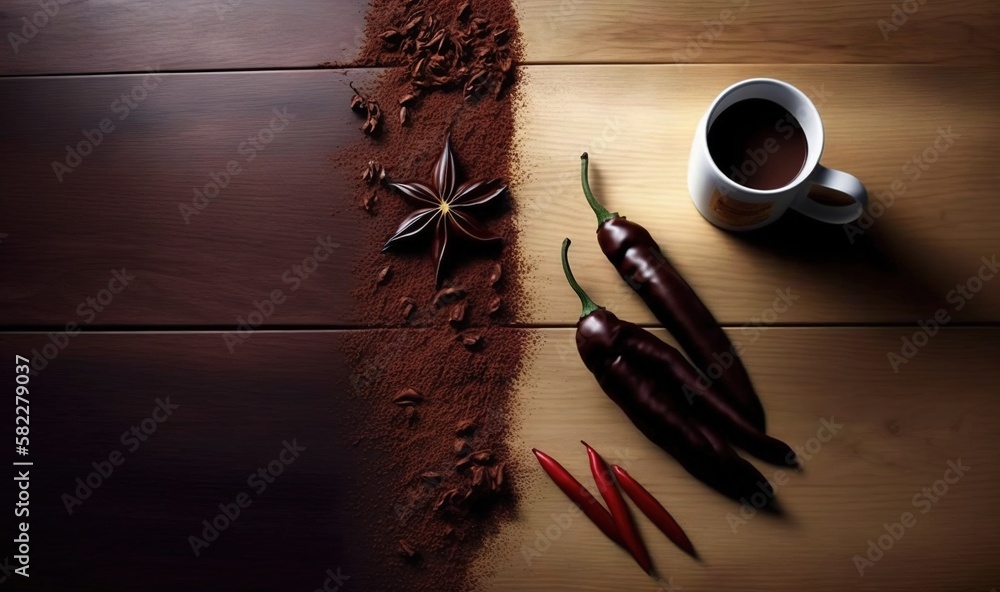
[814, 154]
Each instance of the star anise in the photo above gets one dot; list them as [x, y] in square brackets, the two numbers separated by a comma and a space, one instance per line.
[445, 210]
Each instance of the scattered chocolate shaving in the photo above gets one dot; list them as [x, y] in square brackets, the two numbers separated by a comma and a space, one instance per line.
[448, 295]
[461, 447]
[384, 275]
[470, 340]
[477, 475]
[370, 200]
[369, 109]
[466, 427]
[457, 314]
[496, 475]
[432, 478]
[482, 456]
[494, 306]
[406, 307]
[496, 274]
[373, 172]
[406, 550]
[408, 396]
[463, 10]
[403, 116]
[462, 464]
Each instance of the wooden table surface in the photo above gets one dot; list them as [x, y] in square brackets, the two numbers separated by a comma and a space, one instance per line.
[626, 81]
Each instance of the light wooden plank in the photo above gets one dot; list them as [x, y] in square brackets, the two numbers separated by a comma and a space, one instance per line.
[637, 122]
[899, 432]
[760, 31]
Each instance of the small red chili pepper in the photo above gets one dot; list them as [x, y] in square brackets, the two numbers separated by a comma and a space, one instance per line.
[619, 511]
[576, 492]
[654, 510]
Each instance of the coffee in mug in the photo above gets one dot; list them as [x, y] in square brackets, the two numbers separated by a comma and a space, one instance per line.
[756, 153]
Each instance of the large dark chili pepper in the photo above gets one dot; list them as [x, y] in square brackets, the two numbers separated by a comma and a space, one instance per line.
[639, 260]
[622, 356]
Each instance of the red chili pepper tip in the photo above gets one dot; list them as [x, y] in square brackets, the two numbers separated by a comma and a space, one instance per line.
[619, 510]
[654, 510]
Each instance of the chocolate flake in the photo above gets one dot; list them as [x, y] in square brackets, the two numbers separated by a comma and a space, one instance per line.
[406, 550]
[461, 447]
[369, 109]
[432, 478]
[495, 274]
[466, 427]
[482, 456]
[408, 396]
[457, 314]
[447, 296]
[371, 199]
[406, 307]
[383, 276]
[494, 306]
[403, 115]
[470, 340]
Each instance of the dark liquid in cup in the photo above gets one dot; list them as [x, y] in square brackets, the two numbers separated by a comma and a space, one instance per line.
[758, 144]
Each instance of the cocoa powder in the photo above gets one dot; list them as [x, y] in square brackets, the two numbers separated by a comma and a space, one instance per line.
[434, 369]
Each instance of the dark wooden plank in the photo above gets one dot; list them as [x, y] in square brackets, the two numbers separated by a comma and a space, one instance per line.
[130, 35]
[74, 222]
[234, 414]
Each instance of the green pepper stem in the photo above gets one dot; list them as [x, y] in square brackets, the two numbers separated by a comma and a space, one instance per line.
[603, 215]
[585, 301]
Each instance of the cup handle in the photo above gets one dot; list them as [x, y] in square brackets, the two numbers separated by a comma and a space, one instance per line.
[840, 182]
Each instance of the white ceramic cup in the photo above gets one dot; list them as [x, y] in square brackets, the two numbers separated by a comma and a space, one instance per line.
[729, 205]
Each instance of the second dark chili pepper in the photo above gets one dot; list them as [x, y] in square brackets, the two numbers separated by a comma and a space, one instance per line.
[612, 350]
[639, 260]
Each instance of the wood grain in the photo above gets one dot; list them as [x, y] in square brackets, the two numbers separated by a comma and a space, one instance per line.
[899, 431]
[637, 123]
[759, 31]
[230, 414]
[132, 203]
[121, 206]
[129, 35]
